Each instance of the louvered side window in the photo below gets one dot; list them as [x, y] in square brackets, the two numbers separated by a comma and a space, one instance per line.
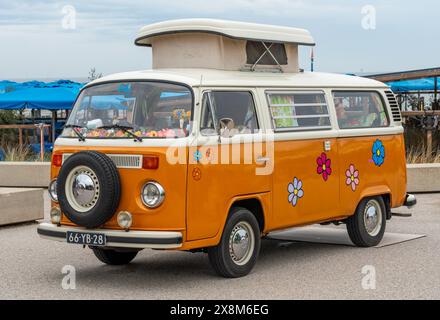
[395, 110]
[296, 111]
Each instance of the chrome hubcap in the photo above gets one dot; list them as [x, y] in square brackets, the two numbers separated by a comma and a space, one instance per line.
[241, 243]
[372, 218]
[82, 188]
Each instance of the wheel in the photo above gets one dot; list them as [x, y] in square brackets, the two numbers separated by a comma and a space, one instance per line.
[367, 226]
[237, 252]
[88, 188]
[113, 257]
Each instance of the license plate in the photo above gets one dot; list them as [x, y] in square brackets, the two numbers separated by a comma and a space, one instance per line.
[93, 239]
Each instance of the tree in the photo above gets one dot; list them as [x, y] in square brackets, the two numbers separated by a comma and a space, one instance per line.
[93, 75]
[8, 136]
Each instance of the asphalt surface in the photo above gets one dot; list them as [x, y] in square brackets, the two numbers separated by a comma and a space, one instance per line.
[30, 268]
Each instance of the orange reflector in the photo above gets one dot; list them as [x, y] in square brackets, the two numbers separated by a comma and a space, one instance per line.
[57, 160]
[150, 162]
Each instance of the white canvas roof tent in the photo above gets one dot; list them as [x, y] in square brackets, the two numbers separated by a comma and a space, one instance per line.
[223, 45]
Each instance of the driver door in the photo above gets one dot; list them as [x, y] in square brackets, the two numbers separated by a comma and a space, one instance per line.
[224, 166]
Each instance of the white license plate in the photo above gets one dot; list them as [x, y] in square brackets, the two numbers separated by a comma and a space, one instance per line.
[92, 239]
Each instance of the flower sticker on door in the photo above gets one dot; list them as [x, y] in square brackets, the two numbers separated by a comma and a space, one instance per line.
[352, 177]
[324, 166]
[378, 151]
[295, 191]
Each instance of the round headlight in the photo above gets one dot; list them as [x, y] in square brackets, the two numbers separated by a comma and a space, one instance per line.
[55, 215]
[125, 219]
[153, 194]
[53, 190]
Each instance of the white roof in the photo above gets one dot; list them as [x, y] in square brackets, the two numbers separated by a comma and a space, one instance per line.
[219, 78]
[232, 29]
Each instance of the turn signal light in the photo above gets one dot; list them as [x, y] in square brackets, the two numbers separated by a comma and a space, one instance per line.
[57, 160]
[150, 162]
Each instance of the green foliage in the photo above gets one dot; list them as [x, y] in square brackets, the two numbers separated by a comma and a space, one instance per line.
[8, 136]
[9, 116]
[93, 75]
[24, 153]
[415, 142]
[17, 153]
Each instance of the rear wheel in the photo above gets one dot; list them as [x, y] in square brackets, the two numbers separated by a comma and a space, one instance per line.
[367, 226]
[237, 252]
[113, 257]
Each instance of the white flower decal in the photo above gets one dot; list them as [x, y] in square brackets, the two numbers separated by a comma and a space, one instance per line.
[295, 191]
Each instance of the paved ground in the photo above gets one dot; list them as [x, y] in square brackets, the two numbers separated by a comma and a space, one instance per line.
[31, 268]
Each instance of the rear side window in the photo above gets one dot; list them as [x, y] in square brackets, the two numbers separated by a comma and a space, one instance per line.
[295, 111]
[360, 110]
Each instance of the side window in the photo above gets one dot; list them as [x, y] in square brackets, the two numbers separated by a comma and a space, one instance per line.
[228, 112]
[256, 52]
[294, 111]
[360, 110]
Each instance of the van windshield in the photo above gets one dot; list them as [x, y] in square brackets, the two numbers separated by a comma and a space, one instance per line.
[119, 110]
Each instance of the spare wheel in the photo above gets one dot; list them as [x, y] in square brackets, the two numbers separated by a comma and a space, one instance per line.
[88, 188]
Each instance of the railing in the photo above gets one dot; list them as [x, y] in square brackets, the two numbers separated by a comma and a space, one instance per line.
[20, 128]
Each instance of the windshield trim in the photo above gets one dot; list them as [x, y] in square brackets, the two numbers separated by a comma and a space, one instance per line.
[90, 85]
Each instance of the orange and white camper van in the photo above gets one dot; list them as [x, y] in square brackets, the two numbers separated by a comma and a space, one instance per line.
[222, 142]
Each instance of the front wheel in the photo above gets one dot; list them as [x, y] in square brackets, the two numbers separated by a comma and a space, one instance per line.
[113, 257]
[237, 252]
[367, 226]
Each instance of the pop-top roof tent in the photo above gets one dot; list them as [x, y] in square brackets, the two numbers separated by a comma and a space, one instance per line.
[223, 45]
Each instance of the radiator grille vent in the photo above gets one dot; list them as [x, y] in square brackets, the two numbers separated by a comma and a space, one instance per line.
[126, 161]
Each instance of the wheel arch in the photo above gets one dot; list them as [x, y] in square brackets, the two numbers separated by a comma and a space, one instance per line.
[379, 191]
[254, 206]
[257, 204]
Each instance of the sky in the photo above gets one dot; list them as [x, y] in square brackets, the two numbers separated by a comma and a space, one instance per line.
[39, 40]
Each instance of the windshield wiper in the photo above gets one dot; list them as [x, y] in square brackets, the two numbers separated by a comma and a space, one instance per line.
[74, 127]
[125, 129]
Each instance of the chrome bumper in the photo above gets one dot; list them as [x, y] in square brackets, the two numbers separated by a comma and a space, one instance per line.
[410, 200]
[117, 238]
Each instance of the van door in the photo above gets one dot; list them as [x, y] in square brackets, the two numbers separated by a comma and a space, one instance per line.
[222, 159]
[371, 150]
[306, 171]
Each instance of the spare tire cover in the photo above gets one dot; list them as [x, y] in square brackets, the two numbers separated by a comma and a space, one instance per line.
[88, 188]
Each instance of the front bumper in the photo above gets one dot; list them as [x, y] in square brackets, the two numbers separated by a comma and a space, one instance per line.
[410, 200]
[118, 238]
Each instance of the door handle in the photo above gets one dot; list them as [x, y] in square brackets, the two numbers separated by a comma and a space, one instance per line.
[262, 160]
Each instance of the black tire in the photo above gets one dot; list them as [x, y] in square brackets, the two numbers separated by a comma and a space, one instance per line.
[357, 229]
[109, 185]
[114, 258]
[220, 257]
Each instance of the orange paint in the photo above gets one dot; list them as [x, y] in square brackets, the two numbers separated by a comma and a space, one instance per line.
[199, 195]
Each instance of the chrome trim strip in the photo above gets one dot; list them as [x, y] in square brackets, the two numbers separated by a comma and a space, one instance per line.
[117, 238]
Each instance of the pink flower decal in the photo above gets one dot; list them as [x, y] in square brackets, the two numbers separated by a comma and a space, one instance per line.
[324, 166]
[352, 176]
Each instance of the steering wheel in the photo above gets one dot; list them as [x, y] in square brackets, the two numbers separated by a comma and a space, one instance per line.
[226, 123]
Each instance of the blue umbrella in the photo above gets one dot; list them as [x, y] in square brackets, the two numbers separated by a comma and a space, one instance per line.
[424, 84]
[6, 86]
[57, 98]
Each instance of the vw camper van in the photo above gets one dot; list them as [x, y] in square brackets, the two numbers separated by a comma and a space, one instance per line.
[224, 140]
